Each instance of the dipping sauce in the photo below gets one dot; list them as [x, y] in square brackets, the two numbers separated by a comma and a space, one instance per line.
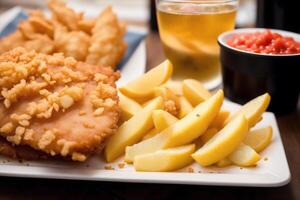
[264, 42]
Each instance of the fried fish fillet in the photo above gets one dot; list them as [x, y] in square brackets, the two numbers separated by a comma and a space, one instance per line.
[66, 16]
[107, 44]
[97, 41]
[37, 23]
[41, 43]
[56, 104]
[11, 41]
[33, 34]
[74, 43]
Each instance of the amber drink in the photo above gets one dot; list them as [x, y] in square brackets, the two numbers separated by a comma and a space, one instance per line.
[189, 31]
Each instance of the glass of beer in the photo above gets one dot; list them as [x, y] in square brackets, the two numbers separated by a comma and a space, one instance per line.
[188, 30]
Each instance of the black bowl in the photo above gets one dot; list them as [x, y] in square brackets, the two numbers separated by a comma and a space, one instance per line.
[247, 75]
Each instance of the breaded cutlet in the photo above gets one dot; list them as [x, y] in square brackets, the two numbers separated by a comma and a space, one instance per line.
[55, 104]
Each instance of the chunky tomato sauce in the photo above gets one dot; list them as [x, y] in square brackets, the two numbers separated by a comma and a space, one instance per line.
[265, 42]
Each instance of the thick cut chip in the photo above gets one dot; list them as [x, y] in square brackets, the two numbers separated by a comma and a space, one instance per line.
[128, 106]
[175, 86]
[244, 156]
[184, 107]
[132, 131]
[259, 139]
[253, 109]
[151, 134]
[182, 132]
[223, 143]
[165, 160]
[144, 86]
[220, 119]
[194, 91]
[162, 119]
[224, 162]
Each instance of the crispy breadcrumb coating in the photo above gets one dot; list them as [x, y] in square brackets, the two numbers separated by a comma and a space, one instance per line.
[56, 104]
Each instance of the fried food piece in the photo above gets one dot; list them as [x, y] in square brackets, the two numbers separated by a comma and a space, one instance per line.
[171, 100]
[98, 41]
[74, 43]
[33, 34]
[107, 44]
[34, 38]
[27, 30]
[87, 25]
[11, 41]
[56, 104]
[41, 43]
[36, 24]
[20, 152]
[42, 25]
[66, 16]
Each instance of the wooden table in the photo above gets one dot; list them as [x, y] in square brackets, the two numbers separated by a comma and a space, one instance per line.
[18, 188]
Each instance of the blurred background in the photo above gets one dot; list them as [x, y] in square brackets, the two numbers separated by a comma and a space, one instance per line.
[136, 12]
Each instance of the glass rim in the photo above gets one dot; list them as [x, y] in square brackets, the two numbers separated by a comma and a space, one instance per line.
[209, 2]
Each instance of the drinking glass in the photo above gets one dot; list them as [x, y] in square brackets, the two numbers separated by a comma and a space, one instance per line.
[189, 30]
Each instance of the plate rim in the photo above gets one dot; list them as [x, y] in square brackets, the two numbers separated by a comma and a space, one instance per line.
[215, 179]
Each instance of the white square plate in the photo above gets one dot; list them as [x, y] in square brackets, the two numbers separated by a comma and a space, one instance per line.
[271, 171]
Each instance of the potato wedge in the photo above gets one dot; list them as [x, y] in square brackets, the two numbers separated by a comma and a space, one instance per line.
[244, 156]
[185, 107]
[175, 86]
[220, 119]
[150, 145]
[151, 134]
[128, 106]
[162, 119]
[224, 162]
[253, 109]
[223, 143]
[194, 91]
[196, 122]
[131, 131]
[165, 160]
[209, 133]
[143, 86]
[259, 139]
[182, 132]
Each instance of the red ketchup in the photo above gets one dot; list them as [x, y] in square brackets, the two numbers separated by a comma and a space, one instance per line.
[264, 42]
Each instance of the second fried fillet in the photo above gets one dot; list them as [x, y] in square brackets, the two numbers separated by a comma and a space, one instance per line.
[107, 44]
[55, 104]
[11, 41]
[74, 43]
[97, 41]
[66, 16]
